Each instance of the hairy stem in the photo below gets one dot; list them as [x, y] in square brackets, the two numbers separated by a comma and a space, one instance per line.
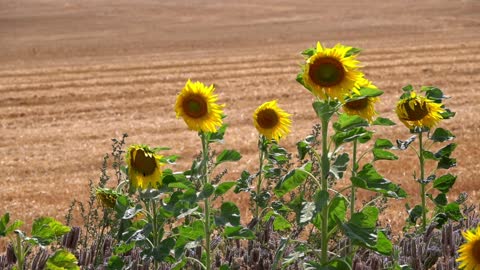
[422, 183]
[325, 165]
[207, 200]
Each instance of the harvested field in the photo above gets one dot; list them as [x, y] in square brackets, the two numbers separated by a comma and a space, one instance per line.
[75, 74]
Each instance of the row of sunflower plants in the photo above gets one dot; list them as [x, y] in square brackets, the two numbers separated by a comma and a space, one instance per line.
[181, 219]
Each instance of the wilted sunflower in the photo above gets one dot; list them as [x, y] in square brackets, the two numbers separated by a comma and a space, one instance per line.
[271, 121]
[196, 104]
[143, 167]
[107, 197]
[419, 111]
[469, 252]
[361, 105]
[330, 72]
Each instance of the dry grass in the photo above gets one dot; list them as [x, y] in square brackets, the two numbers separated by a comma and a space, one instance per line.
[74, 75]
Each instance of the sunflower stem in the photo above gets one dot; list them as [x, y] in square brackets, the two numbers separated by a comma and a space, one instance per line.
[155, 229]
[325, 165]
[207, 200]
[263, 153]
[422, 183]
[354, 189]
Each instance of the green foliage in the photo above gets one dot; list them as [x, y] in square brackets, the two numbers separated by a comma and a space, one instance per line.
[292, 180]
[47, 229]
[63, 260]
[368, 178]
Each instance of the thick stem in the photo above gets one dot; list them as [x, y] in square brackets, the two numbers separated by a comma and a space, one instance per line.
[207, 200]
[156, 243]
[325, 165]
[354, 189]
[263, 153]
[19, 253]
[422, 183]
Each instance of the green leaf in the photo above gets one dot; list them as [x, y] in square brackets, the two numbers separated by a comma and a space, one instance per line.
[407, 88]
[262, 198]
[218, 136]
[303, 147]
[48, 229]
[115, 263]
[444, 183]
[207, 191]
[384, 245]
[339, 166]
[337, 210]
[383, 144]
[132, 212]
[307, 213]
[278, 154]
[229, 215]
[446, 151]
[6, 229]
[222, 188]
[347, 122]
[194, 231]
[446, 163]
[162, 251]
[370, 92]
[441, 199]
[292, 180]
[442, 135]
[433, 93]
[429, 155]
[325, 109]
[238, 232]
[123, 248]
[453, 211]
[244, 182]
[228, 155]
[279, 223]
[62, 260]
[380, 121]
[380, 154]
[299, 79]
[353, 134]
[368, 178]
[414, 214]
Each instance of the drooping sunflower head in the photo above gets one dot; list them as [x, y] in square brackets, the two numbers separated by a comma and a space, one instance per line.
[361, 101]
[107, 197]
[196, 104]
[469, 252]
[417, 111]
[271, 121]
[331, 72]
[143, 167]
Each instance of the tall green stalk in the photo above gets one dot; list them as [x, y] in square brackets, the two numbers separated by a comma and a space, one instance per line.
[354, 189]
[422, 183]
[263, 153]
[325, 165]
[207, 200]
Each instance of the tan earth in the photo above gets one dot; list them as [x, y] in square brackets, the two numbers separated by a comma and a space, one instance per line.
[75, 74]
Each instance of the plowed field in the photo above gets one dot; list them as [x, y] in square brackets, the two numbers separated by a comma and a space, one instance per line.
[75, 74]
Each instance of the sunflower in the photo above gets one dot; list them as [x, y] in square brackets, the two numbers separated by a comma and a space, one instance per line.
[143, 167]
[331, 72]
[419, 111]
[361, 105]
[271, 121]
[469, 252]
[196, 103]
[107, 197]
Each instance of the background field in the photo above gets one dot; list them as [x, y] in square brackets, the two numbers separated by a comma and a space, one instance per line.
[75, 74]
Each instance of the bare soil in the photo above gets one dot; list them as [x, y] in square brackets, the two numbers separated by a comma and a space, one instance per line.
[75, 74]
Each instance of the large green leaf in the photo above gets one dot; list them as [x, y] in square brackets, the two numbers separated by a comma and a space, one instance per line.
[6, 229]
[62, 260]
[228, 155]
[238, 232]
[368, 178]
[442, 135]
[222, 188]
[279, 223]
[444, 183]
[362, 227]
[383, 144]
[347, 122]
[244, 182]
[380, 154]
[380, 121]
[326, 109]
[115, 263]
[229, 215]
[162, 251]
[446, 151]
[360, 134]
[339, 166]
[193, 231]
[48, 229]
[292, 180]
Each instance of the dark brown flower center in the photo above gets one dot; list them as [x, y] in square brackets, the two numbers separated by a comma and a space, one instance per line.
[195, 106]
[476, 251]
[326, 71]
[267, 118]
[143, 163]
[358, 104]
[419, 111]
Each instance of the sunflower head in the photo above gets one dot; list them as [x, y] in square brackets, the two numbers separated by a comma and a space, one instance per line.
[469, 252]
[271, 121]
[331, 72]
[417, 111]
[144, 167]
[196, 104]
[107, 197]
[361, 101]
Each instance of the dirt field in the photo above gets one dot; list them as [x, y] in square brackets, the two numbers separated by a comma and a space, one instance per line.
[75, 74]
